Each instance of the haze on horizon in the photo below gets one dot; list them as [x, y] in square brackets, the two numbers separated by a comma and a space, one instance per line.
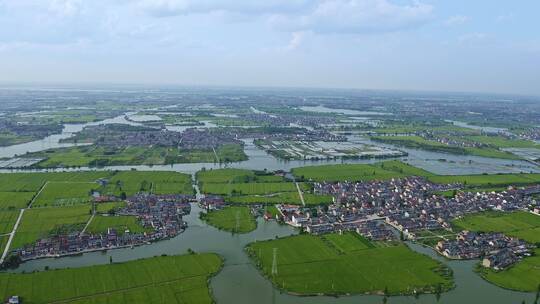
[435, 45]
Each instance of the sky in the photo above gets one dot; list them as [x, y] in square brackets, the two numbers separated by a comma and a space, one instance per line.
[453, 45]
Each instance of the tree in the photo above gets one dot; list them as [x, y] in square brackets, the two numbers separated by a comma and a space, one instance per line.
[110, 259]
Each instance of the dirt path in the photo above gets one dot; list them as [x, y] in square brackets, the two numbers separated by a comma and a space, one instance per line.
[300, 194]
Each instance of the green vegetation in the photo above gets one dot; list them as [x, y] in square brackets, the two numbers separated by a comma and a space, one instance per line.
[523, 225]
[236, 176]
[404, 128]
[524, 276]
[100, 224]
[8, 139]
[308, 264]
[234, 219]
[63, 204]
[108, 207]
[248, 188]
[37, 223]
[358, 172]
[418, 142]
[18, 200]
[65, 194]
[158, 182]
[166, 279]
[348, 242]
[503, 142]
[280, 198]
[32, 182]
[96, 156]
[490, 180]
[241, 186]
[7, 220]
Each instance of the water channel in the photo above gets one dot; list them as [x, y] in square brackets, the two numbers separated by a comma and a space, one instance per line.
[239, 281]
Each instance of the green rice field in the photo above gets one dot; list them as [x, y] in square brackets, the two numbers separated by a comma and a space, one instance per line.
[37, 223]
[101, 223]
[165, 279]
[65, 194]
[308, 265]
[226, 219]
[158, 182]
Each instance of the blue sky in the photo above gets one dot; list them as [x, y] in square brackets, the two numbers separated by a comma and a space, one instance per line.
[453, 45]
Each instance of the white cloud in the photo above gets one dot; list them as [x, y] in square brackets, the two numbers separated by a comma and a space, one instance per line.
[456, 20]
[357, 16]
[472, 38]
[167, 8]
[296, 41]
[65, 7]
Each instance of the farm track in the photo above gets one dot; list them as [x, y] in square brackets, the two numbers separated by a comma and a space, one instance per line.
[300, 194]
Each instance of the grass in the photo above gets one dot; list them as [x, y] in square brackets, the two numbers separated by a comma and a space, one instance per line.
[106, 207]
[491, 180]
[431, 145]
[32, 182]
[348, 242]
[17, 200]
[101, 223]
[524, 276]
[7, 220]
[37, 223]
[358, 172]
[226, 219]
[166, 279]
[307, 264]
[65, 194]
[522, 225]
[280, 198]
[247, 188]
[98, 156]
[158, 182]
[503, 142]
[236, 176]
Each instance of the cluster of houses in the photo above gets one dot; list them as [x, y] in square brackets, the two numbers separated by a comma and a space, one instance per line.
[212, 202]
[497, 250]
[160, 215]
[412, 204]
[320, 223]
[530, 134]
[120, 135]
[29, 129]
[206, 139]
